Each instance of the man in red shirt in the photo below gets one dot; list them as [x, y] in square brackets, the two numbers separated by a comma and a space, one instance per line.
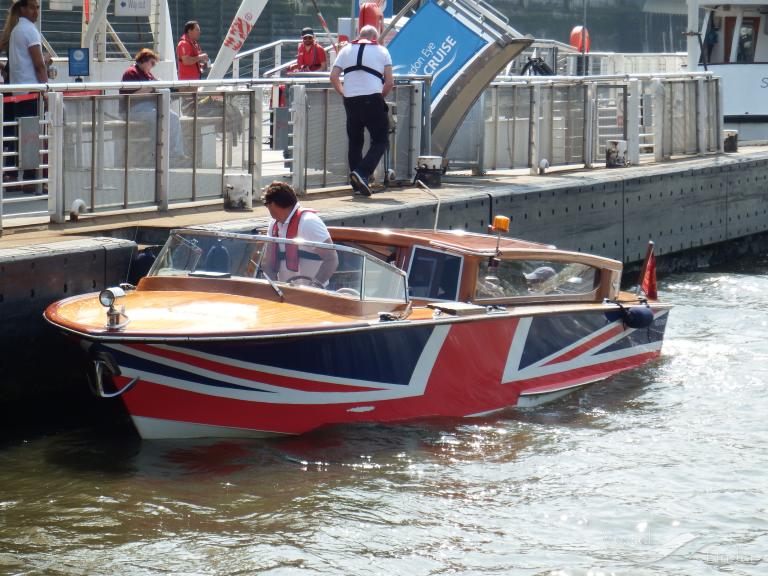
[192, 61]
[311, 56]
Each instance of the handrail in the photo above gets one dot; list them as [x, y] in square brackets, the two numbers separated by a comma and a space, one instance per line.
[275, 44]
[157, 84]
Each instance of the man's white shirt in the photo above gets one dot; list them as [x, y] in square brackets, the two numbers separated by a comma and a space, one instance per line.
[311, 229]
[360, 82]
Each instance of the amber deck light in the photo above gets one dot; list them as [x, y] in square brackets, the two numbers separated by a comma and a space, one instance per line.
[500, 224]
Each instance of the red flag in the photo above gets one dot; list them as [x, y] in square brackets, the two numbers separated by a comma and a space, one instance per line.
[648, 277]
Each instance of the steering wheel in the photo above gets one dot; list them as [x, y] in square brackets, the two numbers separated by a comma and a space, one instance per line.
[302, 280]
[348, 292]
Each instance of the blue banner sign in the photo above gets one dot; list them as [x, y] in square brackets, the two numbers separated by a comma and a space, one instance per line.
[433, 43]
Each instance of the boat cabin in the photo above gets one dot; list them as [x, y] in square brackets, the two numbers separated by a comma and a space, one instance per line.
[374, 270]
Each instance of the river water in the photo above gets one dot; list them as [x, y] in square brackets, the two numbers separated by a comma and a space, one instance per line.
[660, 471]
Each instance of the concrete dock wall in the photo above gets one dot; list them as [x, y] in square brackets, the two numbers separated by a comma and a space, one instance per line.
[696, 211]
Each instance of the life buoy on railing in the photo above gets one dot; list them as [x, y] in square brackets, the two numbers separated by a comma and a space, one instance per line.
[580, 38]
[371, 15]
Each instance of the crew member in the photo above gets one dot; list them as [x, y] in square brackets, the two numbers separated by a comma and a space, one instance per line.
[192, 61]
[306, 264]
[367, 68]
[311, 56]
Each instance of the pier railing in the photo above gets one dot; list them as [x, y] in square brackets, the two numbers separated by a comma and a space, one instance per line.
[91, 149]
[537, 122]
[86, 148]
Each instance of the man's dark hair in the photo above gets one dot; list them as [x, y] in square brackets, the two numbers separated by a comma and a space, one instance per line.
[190, 25]
[281, 193]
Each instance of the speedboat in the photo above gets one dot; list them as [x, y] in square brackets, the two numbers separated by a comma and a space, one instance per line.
[221, 339]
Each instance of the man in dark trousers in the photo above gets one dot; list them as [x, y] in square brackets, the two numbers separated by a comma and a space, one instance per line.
[367, 68]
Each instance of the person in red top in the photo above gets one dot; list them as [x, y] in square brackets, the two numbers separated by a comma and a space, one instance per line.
[192, 61]
[311, 56]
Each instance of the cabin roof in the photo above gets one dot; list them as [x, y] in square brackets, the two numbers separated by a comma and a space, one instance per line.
[458, 239]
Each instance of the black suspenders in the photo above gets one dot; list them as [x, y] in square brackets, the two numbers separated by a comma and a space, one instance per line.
[359, 65]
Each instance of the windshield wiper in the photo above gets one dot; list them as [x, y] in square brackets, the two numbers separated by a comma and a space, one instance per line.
[260, 269]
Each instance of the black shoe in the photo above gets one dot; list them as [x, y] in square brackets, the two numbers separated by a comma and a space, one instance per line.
[360, 183]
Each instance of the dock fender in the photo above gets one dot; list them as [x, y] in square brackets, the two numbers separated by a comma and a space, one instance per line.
[640, 316]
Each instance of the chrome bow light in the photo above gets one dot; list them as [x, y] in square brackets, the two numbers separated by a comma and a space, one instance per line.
[116, 319]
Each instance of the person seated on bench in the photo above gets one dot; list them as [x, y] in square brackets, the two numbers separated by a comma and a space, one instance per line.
[145, 110]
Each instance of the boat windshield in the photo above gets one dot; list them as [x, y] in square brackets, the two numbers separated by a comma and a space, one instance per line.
[534, 279]
[342, 270]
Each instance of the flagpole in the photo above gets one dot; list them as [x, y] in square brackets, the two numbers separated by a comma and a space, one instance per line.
[644, 269]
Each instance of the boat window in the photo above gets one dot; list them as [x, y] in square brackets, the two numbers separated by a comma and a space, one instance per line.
[380, 283]
[531, 278]
[747, 39]
[433, 274]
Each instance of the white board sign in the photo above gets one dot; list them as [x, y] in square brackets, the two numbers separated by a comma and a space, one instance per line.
[132, 7]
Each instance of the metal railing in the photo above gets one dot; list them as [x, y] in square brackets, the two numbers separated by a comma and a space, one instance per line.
[275, 57]
[319, 141]
[536, 122]
[117, 152]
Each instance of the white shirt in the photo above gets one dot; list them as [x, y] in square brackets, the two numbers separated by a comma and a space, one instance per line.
[24, 35]
[360, 82]
[311, 229]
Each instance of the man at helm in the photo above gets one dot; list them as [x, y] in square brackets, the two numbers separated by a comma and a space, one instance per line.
[286, 262]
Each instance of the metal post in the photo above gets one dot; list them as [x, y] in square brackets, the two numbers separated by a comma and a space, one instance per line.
[127, 146]
[56, 158]
[163, 148]
[326, 102]
[93, 153]
[534, 128]
[719, 117]
[701, 115]
[255, 63]
[480, 138]
[194, 145]
[414, 145]
[590, 118]
[236, 68]
[658, 96]
[495, 124]
[632, 115]
[255, 128]
[426, 112]
[299, 125]
[224, 142]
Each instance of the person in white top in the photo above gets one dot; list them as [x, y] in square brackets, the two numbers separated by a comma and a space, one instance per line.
[26, 65]
[367, 69]
[290, 263]
[25, 45]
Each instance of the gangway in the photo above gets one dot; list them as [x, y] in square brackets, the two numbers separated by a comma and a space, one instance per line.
[463, 45]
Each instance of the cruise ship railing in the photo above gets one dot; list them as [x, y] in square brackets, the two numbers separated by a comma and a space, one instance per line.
[538, 122]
